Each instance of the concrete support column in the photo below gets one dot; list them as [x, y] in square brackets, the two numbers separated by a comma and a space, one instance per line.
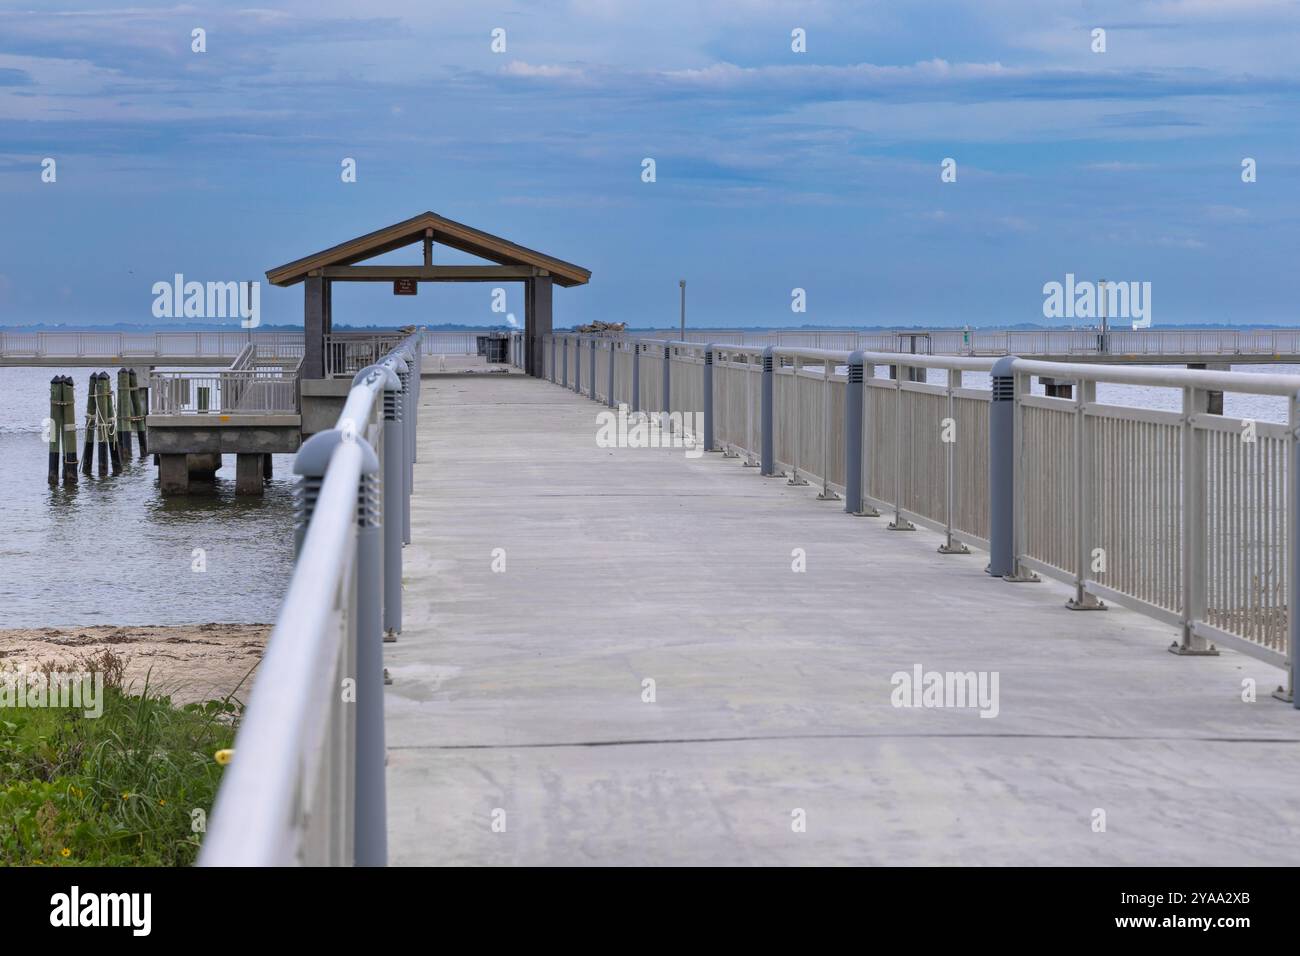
[249, 477]
[204, 465]
[1214, 400]
[1057, 387]
[174, 474]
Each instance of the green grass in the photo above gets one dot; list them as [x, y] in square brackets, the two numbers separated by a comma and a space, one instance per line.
[116, 790]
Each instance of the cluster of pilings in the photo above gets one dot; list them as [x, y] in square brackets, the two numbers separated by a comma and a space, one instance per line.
[107, 434]
[63, 429]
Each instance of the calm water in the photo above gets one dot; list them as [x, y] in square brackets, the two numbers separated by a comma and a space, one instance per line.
[113, 550]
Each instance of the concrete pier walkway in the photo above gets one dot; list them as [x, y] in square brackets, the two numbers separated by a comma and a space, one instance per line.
[518, 733]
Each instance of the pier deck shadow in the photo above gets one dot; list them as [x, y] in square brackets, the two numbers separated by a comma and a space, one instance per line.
[521, 691]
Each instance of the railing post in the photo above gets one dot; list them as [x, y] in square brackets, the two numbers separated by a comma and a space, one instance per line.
[767, 393]
[609, 395]
[828, 369]
[1084, 394]
[665, 417]
[1003, 559]
[553, 357]
[369, 819]
[636, 376]
[408, 434]
[900, 373]
[708, 398]
[564, 356]
[1293, 551]
[577, 365]
[417, 351]
[951, 545]
[394, 503]
[853, 390]
[1195, 505]
[591, 386]
[370, 835]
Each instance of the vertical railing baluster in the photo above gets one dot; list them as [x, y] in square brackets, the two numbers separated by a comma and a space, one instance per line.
[826, 493]
[951, 545]
[899, 523]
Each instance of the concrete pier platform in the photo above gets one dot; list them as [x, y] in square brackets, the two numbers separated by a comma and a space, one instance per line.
[519, 731]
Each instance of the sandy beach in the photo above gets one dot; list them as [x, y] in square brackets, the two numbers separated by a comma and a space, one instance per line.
[190, 663]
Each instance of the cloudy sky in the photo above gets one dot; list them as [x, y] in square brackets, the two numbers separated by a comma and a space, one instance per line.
[775, 169]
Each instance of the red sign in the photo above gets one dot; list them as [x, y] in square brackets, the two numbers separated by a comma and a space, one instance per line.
[405, 287]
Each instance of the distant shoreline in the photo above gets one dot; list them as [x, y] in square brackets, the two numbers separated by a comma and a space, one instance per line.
[460, 327]
[188, 662]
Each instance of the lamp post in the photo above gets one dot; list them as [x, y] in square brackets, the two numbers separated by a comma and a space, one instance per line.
[1105, 328]
[682, 285]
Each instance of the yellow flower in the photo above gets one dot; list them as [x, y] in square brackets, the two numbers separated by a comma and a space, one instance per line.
[66, 852]
[223, 756]
[162, 803]
[126, 796]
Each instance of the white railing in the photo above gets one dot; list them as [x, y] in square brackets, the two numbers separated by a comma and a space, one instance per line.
[1185, 516]
[305, 785]
[1118, 343]
[346, 353]
[172, 347]
[245, 391]
[175, 347]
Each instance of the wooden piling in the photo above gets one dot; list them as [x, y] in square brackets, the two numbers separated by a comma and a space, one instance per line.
[56, 426]
[140, 409]
[110, 423]
[69, 430]
[101, 426]
[124, 427]
[88, 448]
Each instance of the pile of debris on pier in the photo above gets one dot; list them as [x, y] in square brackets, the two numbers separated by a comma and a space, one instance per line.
[599, 326]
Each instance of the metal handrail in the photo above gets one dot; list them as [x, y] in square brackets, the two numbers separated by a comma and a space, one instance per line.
[1188, 516]
[305, 784]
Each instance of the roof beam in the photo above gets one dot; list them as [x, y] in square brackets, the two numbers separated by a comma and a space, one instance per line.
[431, 273]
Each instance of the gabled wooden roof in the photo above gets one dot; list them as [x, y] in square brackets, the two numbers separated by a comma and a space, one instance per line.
[445, 232]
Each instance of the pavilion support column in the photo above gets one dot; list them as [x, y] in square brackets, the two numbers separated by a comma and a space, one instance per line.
[314, 327]
[537, 322]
